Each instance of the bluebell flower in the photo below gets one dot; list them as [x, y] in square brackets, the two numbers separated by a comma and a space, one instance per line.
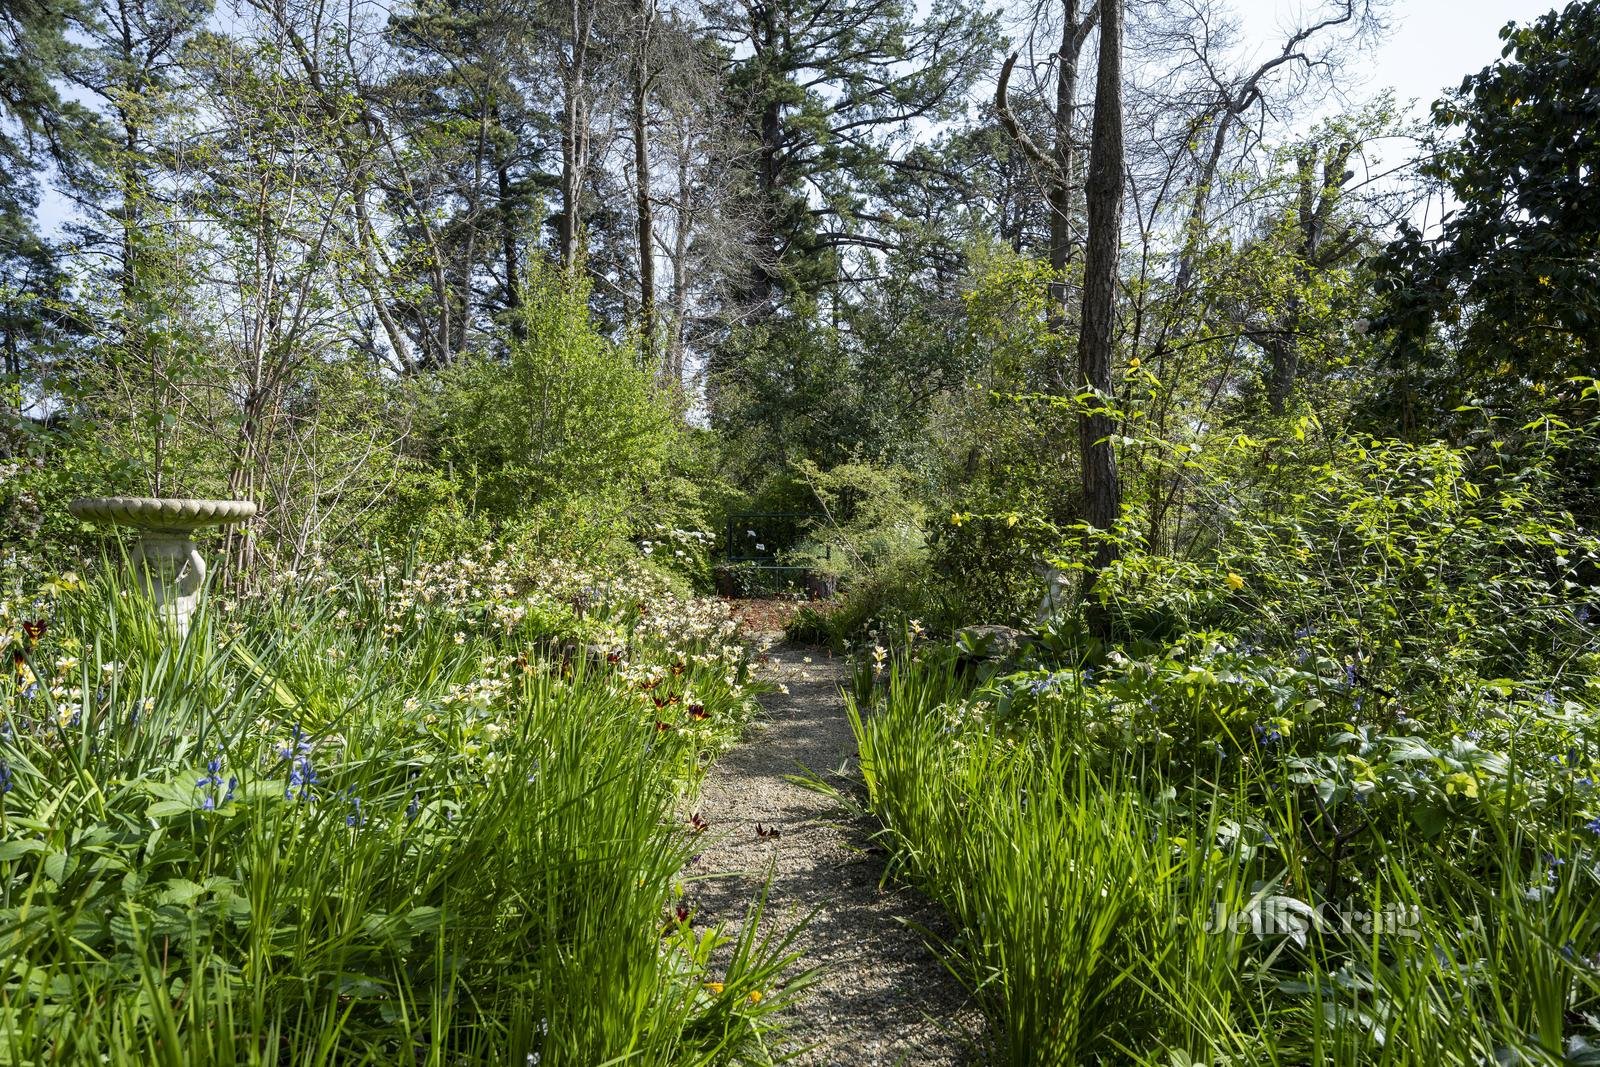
[212, 783]
[5, 778]
[355, 818]
[302, 776]
[413, 808]
[1547, 698]
[1473, 735]
[296, 747]
[1593, 826]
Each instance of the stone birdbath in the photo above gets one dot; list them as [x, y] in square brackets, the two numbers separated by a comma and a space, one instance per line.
[166, 563]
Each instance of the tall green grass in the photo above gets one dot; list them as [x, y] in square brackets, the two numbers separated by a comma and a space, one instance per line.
[1086, 881]
[294, 837]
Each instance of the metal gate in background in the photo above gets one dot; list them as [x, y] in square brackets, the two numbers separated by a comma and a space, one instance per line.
[754, 544]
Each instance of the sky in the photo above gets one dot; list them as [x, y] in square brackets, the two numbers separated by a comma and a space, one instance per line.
[1433, 43]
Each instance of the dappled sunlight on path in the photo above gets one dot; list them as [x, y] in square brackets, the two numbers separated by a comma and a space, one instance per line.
[881, 996]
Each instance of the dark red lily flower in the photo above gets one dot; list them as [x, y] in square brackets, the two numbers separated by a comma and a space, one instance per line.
[674, 700]
[682, 913]
[661, 702]
[613, 658]
[698, 711]
[677, 669]
[770, 831]
[662, 727]
[647, 686]
[34, 629]
[697, 824]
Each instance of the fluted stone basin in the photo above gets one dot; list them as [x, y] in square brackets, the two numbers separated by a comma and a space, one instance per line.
[166, 563]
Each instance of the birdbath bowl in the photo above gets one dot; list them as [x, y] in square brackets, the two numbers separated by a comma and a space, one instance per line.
[166, 563]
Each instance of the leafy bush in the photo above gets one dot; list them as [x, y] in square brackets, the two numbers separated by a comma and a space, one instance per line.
[1372, 690]
[1419, 565]
[564, 439]
[993, 564]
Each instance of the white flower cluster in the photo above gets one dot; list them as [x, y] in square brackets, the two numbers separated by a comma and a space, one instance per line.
[681, 543]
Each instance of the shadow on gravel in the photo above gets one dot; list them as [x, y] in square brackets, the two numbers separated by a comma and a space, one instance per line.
[881, 996]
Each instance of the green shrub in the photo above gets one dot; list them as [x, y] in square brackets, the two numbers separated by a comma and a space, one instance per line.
[1419, 565]
[565, 437]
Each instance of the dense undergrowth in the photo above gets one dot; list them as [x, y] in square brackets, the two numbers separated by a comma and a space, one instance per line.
[410, 815]
[1325, 795]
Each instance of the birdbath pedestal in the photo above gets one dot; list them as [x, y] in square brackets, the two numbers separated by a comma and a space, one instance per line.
[166, 563]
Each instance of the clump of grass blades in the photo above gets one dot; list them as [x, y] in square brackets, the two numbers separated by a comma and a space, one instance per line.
[290, 838]
[1111, 909]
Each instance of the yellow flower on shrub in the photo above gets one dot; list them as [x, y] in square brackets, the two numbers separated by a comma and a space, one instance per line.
[956, 518]
[755, 996]
[1234, 581]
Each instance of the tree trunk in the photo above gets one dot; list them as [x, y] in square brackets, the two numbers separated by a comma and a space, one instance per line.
[508, 235]
[673, 373]
[1059, 193]
[1101, 489]
[641, 167]
[575, 132]
[767, 187]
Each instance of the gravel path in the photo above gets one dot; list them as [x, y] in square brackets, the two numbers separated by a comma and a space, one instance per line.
[881, 997]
